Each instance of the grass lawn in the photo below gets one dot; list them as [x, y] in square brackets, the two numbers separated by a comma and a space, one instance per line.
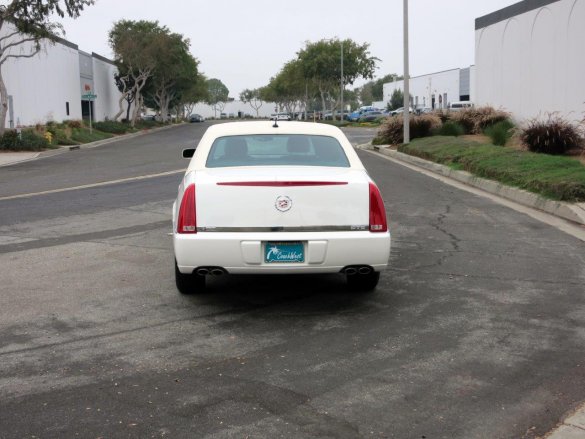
[554, 177]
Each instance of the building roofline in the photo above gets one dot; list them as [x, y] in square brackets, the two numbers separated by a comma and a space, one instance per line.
[510, 11]
[428, 74]
[102, 58]
[64, 42]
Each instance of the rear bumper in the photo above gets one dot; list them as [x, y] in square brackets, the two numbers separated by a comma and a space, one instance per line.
[243, 253]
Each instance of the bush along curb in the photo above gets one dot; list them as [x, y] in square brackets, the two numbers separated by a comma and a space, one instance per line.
[574, 212]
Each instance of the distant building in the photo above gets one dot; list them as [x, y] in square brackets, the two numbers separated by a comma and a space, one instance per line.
[529, 58]
[236, 109]
[434, 90]
[49, 86]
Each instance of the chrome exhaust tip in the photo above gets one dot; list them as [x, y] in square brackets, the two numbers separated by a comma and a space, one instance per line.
[217, 271]
[364, 270]
[202, 271]
[351, 271]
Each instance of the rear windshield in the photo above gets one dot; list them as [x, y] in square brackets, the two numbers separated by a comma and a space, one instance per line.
[276, 150]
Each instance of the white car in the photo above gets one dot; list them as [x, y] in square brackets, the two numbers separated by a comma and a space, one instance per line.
[259, 197]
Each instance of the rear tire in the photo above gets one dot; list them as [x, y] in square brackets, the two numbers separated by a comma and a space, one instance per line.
[189, 283]
[363, 282]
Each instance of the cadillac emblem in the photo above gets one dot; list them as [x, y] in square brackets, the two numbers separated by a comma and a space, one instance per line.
[283, 203]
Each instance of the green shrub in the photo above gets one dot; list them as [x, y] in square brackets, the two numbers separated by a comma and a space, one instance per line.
[500, 132]
[392, 130]
[27, 140]
[61, 137]
[110, 126]
[475, 120]
[10, 140]
[552, 136]
[451, 128]
[30, 140]
[145, 124]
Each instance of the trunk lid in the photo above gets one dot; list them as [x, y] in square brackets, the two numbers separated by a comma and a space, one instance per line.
[276, 198]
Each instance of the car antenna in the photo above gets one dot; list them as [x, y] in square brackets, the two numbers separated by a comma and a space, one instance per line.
[275, 118]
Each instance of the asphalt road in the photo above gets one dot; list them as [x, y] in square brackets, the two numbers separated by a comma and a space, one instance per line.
[475, 331]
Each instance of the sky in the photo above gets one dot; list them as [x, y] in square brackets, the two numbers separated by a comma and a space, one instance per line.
[245, 43]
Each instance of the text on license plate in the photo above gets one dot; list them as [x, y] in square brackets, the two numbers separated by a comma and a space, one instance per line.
[275, 252]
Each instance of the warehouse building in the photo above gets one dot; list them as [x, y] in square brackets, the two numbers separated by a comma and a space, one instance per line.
[50, 85]
[434, 90]
[529, 58]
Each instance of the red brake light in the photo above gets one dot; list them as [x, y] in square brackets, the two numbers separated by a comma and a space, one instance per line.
[187, 222]
[377, 212]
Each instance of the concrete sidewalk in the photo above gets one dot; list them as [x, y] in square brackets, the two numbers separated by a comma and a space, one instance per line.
[9, 158]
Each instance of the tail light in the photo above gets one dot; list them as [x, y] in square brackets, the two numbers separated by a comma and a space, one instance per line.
[187, 221]
[377, 212]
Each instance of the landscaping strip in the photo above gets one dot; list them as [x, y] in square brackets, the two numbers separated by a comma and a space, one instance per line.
[553, 177]
[574, 212]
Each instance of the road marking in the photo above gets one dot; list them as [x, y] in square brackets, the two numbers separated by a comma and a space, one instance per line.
[89, 186]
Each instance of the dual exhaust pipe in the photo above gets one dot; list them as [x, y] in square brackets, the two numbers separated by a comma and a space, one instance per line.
[357, 269]
[214, 271]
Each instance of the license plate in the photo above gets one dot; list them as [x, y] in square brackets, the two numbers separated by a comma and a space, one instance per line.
[284, 252]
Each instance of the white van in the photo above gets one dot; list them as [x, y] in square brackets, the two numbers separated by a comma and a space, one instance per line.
[460, 105]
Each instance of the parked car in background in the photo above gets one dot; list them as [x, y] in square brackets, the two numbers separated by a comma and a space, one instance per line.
[371, 116]
[354, 116]
[400, 111]
[149, 117]
[295, 199]
[423, 110]
[196, 118]
[460, 105]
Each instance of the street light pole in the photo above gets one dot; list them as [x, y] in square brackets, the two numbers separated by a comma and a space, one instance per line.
[406, 112]
[341, 80]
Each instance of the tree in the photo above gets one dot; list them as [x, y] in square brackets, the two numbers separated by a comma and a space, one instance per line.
[288, 88]
[196, 92]
[374, 90]
[217, 95]
[396, 100]
[252, 97]
[174, 73]
[125, 85]
[321, 63]
[135, 45]
[24, 24]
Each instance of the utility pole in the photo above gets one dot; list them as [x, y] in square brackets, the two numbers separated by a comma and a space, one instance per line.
[406, 112]
[341, 81]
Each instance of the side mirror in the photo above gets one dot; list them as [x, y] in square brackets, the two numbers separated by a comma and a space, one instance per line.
[188, 153]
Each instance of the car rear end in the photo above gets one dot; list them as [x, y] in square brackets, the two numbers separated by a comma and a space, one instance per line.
[287, 202]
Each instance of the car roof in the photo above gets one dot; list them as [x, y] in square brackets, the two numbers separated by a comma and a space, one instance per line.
[267, 127]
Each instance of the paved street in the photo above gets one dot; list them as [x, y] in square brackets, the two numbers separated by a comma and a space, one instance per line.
[475, 331]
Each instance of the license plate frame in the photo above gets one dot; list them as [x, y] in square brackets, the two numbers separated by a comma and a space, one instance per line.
[284, 252]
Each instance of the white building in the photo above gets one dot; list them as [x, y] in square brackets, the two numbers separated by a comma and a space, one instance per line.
[49, 86]
[435, 90]
[529, 58]
[234, 108]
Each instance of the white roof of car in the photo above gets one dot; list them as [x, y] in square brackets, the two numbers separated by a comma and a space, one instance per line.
[267, 127]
